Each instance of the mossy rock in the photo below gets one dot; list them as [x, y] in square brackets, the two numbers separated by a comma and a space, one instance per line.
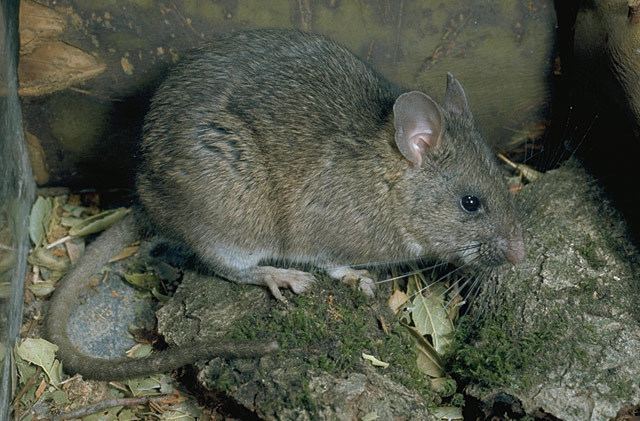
[319, 371]
[561, 332]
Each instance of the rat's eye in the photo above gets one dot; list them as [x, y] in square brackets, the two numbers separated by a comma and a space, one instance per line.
[470, 203]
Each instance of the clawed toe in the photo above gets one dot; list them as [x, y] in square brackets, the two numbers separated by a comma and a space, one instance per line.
[275, 278]
[351, 276]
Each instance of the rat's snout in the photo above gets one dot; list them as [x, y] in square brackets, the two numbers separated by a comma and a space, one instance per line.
[514, 247]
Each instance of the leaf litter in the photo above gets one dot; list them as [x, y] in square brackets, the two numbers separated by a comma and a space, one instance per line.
[427, 310]
[57, 228]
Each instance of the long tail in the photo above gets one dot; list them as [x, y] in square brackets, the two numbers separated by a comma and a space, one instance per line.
[66, 298]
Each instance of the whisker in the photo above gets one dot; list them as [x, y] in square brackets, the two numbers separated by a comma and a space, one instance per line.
[415, 272]
[473, 293]
[464, 284]
[441, 278]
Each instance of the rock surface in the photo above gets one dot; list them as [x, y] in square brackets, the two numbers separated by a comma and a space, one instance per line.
[319, 372]
[562, 331]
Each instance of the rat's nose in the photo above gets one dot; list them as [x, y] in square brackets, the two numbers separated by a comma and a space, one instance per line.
[514, 250]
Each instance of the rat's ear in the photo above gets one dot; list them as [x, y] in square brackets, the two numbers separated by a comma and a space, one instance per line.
[418, 123]
[455, 100]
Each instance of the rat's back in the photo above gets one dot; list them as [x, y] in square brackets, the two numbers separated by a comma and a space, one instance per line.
[239, 126]
[278, 81]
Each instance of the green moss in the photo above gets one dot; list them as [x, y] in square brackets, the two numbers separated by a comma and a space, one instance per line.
[224, 380]
[329, 328]
[620, 389]
[457, 400]
[492, 355]
[589, 251]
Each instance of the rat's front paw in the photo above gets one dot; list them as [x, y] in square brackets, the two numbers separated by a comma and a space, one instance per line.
[362, 278]
[276, 278]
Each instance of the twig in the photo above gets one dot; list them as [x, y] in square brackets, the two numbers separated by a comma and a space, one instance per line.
[59, 241]
[30, 382]
[109, 403]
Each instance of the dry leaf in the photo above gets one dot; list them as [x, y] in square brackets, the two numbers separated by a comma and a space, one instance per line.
[397, 300]
[75, 249]
[428, 360]
[39, 220]
[448, 413]
[127, 67]
[42, 289]
[99, 222]
[374, 361]
[45, 258]
[383, 325]
[126, 252]
[38, 23]
[53, 66]
[40, 389]
[426, 364]
[37, 158]
[527, 172]
[444, 386]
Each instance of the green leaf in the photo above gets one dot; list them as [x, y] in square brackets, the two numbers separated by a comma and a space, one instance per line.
[140, 351]
[56, 373]
[25, 370]
[146, 281]
[144, 386]
[70, 221]
[46, 258]
[99, 222]
[428, 360]
[127, 415]
[430, 318]
[39, 220]
[159, 296]
[42, 289]
[39, 352]
[59, 397]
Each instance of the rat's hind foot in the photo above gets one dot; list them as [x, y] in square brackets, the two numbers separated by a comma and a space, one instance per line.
[351, 276]
[276, 278]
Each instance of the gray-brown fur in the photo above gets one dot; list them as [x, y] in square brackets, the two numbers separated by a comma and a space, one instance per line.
[275, 145]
